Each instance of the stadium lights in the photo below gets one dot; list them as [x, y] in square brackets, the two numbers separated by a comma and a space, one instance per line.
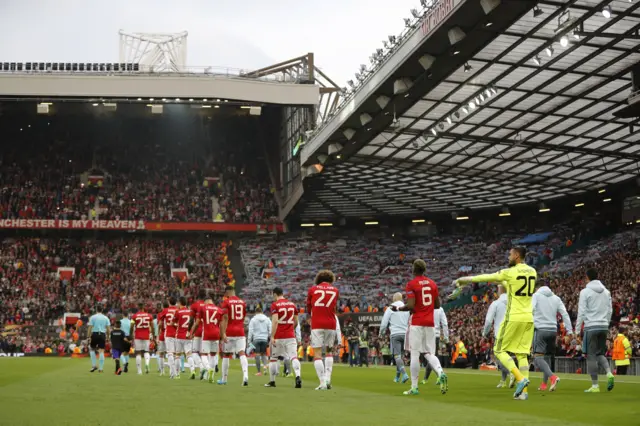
[564, 41]
[536, 60]
[139, 99]
[602, 191]
[606, 200]
[307, 225]
[325, 224]
[579, 205]
[417, 221]
[465, 110]
[606, 12]
[190, 99]
[537, 12]
[206, 106]
[549, 51]
[544, 210]
[462, 218]
[434, 131]
[371, 223]
[449, 120]
[504, 214]
[467, 67]
[151, 99]
[472, 105]
[95, 105]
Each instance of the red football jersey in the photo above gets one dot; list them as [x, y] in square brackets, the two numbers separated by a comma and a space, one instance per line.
[169, 318]
[142, 322]
[183, 318]
[210, 317]
[425, 292]
[195, 307]
[236, 309]
[286, 312]
[322, 300]
[160, 319]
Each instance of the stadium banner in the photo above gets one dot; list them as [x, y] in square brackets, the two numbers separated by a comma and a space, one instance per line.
[135, 225]
[371, 318]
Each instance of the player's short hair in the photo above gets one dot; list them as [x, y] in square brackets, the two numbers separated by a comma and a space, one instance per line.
[202, 293]
[325, 276]
[183, 301]
[278, 291]
[419, 267]
[522, 252]
[173, 300]
[165, 304]
[118, 323]
[229, 288]
[141, 306]
[592, 274]
[99, 308]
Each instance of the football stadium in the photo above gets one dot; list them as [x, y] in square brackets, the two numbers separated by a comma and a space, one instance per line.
[450, 235]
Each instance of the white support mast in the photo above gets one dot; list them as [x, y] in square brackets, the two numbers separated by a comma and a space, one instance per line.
[155, 52]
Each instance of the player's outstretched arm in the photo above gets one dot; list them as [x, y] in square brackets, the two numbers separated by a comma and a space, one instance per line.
[484, 278]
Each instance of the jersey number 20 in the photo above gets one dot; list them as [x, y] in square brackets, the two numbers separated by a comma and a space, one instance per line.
[528, 286]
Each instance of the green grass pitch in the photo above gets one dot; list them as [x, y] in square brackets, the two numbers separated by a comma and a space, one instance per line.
[61, 391]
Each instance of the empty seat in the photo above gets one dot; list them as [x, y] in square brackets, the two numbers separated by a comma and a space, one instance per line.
[67, 66]
[55, 66]
[74, 66]
[136, 67]
[28, 66]
[109, 67]
[19, 64]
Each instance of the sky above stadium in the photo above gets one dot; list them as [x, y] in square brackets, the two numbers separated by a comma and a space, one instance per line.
[244, 34]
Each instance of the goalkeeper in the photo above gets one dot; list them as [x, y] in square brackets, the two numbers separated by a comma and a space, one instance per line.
[516, 331]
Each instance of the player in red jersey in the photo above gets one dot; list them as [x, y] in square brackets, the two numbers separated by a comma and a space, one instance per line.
[234, 340]
[422, 300]
[284, 321]
[142, 334]
[183, 321]
[322, 302]
[166, 319]
[212, 319]
[197, 335]
[161, 348]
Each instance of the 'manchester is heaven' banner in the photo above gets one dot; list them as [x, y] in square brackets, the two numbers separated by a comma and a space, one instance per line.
[136, 225]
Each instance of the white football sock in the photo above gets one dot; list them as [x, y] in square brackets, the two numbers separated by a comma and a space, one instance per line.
[415, 369]
[147, 358]
[225, 368]
[197, 361]
[296, 367]
[245, 367]
[274, 367]
[171, 361]
[204, 362]
[139, 363]
[328, 367]
[434, 362]
[319, 365]
[161, 363]
[213, 361]
[192, 365]
[177, 366]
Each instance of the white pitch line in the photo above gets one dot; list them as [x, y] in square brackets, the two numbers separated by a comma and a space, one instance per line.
[488, 372]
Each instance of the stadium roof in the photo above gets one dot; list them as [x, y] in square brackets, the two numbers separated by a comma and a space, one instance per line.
[526, 119]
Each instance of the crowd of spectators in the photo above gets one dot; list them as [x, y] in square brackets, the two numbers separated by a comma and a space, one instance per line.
[51, 171]
[116, 273]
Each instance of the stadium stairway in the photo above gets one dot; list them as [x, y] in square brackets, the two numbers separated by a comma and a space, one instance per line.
[237, 267]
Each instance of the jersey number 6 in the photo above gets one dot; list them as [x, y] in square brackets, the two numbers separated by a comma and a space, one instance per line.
[427, 298]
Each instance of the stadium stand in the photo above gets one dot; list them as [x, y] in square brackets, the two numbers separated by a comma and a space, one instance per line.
[50, 171]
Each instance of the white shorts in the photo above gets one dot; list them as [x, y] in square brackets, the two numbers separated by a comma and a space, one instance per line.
[234, 345]
[183, 346]
[323, 339]
[162, 347]
[170, 344]
[286, 348]
[210, 347]
[421, 339]
[197, 344]
[141, 345]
